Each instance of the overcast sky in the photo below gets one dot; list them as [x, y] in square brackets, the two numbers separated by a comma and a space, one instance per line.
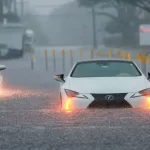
[39, 6]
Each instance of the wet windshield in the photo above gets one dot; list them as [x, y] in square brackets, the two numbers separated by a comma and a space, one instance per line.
[105, 69]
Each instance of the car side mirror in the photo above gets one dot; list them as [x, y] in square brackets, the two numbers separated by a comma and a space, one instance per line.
[59, 78]
[2, 67]
[148, 76]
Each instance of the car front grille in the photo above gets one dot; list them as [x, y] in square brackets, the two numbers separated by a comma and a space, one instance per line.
[110, 101]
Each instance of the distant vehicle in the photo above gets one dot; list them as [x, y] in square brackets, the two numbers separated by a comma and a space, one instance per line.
[105, 84]
[17, 38]
[29, 40]
[11, 34]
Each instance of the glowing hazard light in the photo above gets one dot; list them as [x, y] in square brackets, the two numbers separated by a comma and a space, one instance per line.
[68, 105]
[148, 100]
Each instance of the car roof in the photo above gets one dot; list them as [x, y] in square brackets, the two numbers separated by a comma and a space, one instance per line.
[105, 59]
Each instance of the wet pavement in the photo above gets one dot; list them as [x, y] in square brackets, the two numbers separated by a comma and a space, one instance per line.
[31, 119]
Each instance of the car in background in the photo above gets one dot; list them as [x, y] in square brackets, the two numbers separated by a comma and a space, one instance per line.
[106, 83]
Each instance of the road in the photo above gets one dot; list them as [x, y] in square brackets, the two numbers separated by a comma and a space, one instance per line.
[30, 118]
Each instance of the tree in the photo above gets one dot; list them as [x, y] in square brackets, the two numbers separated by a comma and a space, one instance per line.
[125, 21]
[143, 4]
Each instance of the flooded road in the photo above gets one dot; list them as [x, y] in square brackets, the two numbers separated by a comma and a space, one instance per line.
[30, 116]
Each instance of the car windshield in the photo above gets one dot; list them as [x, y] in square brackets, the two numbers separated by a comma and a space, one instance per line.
[105, 69]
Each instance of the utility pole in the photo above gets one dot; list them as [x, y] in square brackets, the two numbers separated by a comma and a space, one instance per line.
[22, 9]
[94, 27]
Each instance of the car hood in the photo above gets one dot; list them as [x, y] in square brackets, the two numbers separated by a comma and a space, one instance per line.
[108, 84]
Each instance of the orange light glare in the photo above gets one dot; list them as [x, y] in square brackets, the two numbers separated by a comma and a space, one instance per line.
[68, 104]
[148, 100]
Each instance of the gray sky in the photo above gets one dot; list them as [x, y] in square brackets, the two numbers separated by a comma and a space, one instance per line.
[37, 5]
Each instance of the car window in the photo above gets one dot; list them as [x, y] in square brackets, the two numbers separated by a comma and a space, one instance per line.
[105, 69]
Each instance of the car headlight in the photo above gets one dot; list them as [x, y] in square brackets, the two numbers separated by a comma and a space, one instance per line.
[145, 92]
[74, 94]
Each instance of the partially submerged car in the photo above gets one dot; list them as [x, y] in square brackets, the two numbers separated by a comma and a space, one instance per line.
[106, 84]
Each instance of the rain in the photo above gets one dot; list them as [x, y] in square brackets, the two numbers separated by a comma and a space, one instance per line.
[41, 39]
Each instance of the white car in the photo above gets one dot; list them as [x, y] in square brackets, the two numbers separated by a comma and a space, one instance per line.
[104, 84]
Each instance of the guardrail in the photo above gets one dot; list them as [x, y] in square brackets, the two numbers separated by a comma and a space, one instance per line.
[143, 59]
